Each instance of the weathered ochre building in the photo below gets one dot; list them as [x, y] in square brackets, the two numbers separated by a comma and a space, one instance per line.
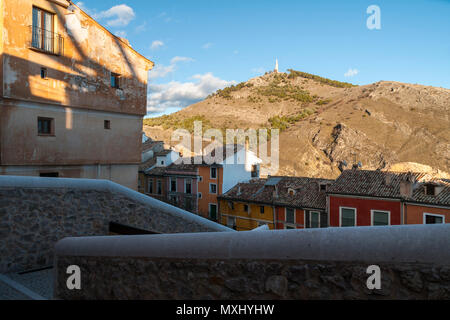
[72, 95]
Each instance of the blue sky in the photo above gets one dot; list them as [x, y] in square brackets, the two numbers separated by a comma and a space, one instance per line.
[199, 46]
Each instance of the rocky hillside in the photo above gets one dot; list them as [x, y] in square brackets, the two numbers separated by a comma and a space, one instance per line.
[326, 124]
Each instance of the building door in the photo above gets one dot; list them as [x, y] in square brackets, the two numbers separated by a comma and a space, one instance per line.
[213, 211]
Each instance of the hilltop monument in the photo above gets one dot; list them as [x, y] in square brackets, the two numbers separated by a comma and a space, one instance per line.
[276, 66]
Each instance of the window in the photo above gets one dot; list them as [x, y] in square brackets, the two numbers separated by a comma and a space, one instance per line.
[231, 222]
[255, 173]
[187, 204]
[107, 124]
[45, 126]
[261, 209]
[173, 184]
[314, 219]
[246, 207]
[348, 217]
[162, 162]
[200, 178]
[213, 173]
[231, 205]
[430, 190]
[159, 187]
[43, 73]
[42, 30]
[289, 227]
[115, 80]
[213, 211]
[150, 186]
[429, 218]
[381, 218]
[49, 174]
[323, 187]
[199, 195]
[212, 188]
[188, 186]
[173, 199]
[290, 215]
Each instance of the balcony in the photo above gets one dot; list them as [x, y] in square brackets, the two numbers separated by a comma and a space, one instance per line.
[46, 41]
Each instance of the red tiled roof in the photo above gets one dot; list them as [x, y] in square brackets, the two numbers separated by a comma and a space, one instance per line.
[297, 192]
[385, 184]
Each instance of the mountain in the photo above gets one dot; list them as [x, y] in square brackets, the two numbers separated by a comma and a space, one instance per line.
[326, 124]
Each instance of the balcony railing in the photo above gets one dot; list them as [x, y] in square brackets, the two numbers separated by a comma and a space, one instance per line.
[46, 41]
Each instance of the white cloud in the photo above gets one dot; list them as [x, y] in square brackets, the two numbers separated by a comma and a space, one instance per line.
[207, 45]
[121, 33]
[142, 27]
[180, 59]
[181, 94]
[161, 71]
[120, 15]
[156, 44]
[351, 72]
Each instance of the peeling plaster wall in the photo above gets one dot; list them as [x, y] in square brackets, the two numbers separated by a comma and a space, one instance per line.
[80, 77]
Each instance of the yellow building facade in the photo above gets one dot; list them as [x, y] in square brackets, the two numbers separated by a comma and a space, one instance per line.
[244, 216]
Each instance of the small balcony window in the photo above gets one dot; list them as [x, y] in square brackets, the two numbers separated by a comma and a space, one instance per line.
[43, 36]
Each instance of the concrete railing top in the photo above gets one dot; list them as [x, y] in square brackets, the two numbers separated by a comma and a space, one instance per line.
[106, 185]
[409, 243]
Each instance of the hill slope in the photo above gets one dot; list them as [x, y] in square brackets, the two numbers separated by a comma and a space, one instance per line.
[324, 123]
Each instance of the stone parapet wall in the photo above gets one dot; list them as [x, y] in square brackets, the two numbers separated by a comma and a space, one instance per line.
[146, 278]
[327, 263]
[37, 212]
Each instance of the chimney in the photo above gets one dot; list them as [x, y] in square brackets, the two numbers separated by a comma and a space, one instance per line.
[388, 179]
[406, 186]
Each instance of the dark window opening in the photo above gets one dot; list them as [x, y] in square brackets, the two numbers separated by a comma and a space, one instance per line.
[430, 190]
[212, 188]
[245, 207]
[188, 187]
[107, 124]
[255, 172]
[429, 219]
[49, 174]
[173, 185]
[115, 80]
[43, 73]
[213, 173]
[159, 186]
[45, 126]
[261, 209]
[323, 187]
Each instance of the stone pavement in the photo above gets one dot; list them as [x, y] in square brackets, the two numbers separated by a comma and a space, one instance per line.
[36, 285]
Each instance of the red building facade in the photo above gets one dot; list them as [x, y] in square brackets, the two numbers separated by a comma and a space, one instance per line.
[367, 211]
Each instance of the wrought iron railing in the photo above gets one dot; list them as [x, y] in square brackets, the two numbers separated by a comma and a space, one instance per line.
[46, 40]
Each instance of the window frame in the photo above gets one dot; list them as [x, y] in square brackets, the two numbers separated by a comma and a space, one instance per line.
[159, 187]
[171, 181]
[294, 224]
[210, 173]
[41, 45]
[115, 76]
[186, 180]
[425, 214]
[215, 184]
[52, 126]
[150, 182]
[340, 216]
[209, 210]
[310, 219]
[372, 214]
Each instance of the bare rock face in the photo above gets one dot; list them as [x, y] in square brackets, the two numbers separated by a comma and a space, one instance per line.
[349, 146]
